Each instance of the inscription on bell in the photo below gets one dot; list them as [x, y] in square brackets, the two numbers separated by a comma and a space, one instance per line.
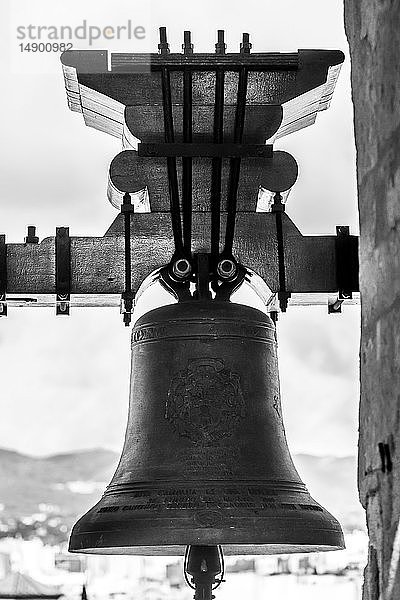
[148, 333]
[205, 402]
[210, 460]
[207, 499]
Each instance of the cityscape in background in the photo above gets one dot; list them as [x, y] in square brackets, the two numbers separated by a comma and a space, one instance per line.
[41, 498]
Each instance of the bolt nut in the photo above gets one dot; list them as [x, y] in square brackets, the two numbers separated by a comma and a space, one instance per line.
[226, 268]
[181, 268]
[31, 238]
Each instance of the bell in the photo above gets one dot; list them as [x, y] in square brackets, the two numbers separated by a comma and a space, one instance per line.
[205, 460]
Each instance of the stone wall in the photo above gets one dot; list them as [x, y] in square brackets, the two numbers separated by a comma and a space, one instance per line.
[373, 31]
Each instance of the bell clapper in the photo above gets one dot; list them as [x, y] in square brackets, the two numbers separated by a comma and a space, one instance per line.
[204, 563]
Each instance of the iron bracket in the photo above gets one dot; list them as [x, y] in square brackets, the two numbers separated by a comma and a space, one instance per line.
[127, 296]
[347, 266]
[3, 276]
[283, 295]
[224, 291]
[63, 270]
[179, 289]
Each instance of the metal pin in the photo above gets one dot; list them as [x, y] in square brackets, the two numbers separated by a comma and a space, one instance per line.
[220, 46]
[31, 237]
[245, 46]
[163, 46]
[187, 45]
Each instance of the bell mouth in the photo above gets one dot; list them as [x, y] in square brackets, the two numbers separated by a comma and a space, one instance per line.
[275, 530]
[228, 550]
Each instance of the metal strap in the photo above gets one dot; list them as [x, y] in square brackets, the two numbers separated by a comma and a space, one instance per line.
[347, 266]
[63, 270]
[169, 138]
[278, 208]
[3, 276]
[216, 165]
[187, 166]
[127, 209]
[234, 172]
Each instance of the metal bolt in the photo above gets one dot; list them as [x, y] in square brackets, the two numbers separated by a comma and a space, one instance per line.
[335, 306]
[163, 46]
[181, 268]
[245, 46]
[31, 238]
[62, 308]
[226, 268]
[220, 46]
[187, 46]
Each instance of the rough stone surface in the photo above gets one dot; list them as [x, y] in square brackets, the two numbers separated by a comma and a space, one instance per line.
[373, 31]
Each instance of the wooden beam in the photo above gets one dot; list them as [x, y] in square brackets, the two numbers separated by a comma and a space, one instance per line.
[97, 263]
[145, 122]
[303, 83]
[205, 150]
[267, 61]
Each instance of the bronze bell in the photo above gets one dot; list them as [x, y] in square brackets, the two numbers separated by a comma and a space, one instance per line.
[205, 460]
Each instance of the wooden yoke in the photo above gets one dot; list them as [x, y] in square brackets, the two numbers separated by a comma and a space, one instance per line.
[97, 263]
[198, 173]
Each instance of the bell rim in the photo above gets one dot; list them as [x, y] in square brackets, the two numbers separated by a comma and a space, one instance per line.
[320, 532]
[229, 549]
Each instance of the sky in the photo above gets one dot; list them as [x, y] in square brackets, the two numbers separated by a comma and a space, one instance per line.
[65, 381]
